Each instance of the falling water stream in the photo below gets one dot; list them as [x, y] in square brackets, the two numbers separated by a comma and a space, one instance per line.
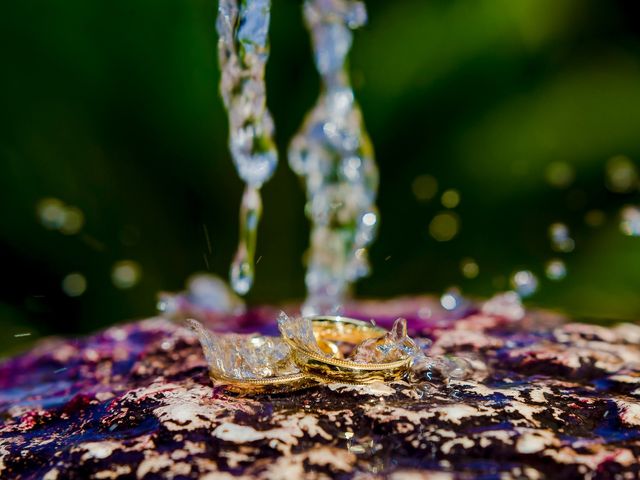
[332, 153]
[243, 50]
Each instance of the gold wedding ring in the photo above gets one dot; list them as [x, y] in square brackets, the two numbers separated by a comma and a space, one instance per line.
[312, 359]
[276, 384]
[329, 369]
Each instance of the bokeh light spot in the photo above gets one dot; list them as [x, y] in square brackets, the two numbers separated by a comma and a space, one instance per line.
[424, 187]
[444, 226]
[74, 284]
[621, 174]
[561, 240]
[469, 268]
[450, 198]
[524, 282]
[630, 221]
[73, 221]
[51, 213]
[126, 274]
[559, 174]
[451, 299]
[555, 269]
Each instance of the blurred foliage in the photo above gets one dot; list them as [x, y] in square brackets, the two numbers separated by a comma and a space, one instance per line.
[112, 106]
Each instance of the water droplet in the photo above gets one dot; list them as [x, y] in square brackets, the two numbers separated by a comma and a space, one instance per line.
[450, 198]
[555, 269]
[525, 283]
[594, 218]
[74, 284]
[424, 187]
[561, 240]
[559, 174]
[630, 223]
[469, 268]
[126, 274]
[444, 226]
[241, 276]
[621, 174]
[453, 367]
[243, 267]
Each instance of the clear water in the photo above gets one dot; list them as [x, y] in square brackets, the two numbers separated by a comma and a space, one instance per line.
[243, 50]
[243, 266]
[333, 156]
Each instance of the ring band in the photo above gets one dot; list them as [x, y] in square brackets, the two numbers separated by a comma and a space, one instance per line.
[325, 368]
[217, 351]
[277, 384]
[307, 354]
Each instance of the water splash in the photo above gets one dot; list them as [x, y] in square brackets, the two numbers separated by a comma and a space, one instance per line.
[243, 357]
[207, 298]
[427, 367]
[299, 329]
[395, 345]
[243, 50]
[333, 154]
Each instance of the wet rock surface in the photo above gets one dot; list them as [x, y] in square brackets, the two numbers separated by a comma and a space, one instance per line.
[559, 400]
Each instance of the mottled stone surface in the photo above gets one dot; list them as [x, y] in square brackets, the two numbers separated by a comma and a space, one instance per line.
[560, 401]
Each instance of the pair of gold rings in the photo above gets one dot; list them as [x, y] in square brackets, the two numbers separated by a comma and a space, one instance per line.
[314, 347]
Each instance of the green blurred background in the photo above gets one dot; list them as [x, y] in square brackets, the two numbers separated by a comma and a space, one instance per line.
[112, 106]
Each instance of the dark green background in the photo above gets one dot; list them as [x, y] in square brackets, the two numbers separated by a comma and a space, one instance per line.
[112, 106]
